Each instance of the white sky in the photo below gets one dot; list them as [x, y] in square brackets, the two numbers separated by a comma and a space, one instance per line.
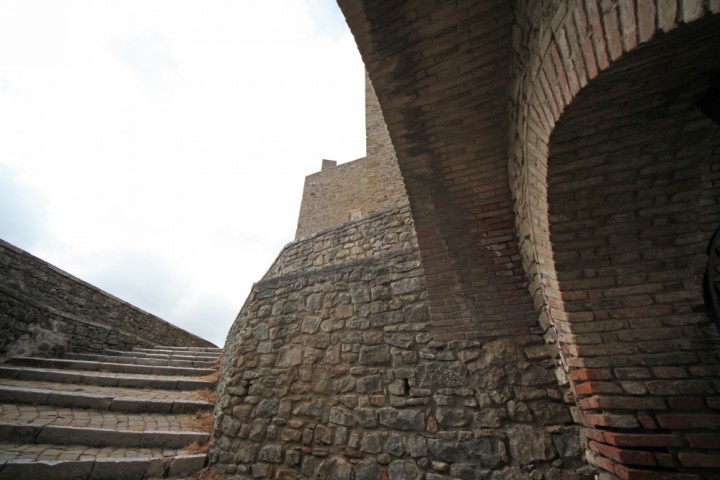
[157, 149]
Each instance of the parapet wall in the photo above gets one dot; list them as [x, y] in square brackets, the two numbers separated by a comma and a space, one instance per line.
[378, 233]
[46, 311]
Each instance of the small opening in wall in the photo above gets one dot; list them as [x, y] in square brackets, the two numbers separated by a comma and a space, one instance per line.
[709, 103]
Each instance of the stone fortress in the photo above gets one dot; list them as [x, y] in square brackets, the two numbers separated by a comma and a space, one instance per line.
[509, 285]
[533, 309]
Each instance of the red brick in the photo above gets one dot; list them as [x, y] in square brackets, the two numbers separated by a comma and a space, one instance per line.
[700, 440]
[646, 19]
[612, 28]
[622, 403]
[632, 457]
[686, 403]
[699, 460]
[613, 421]
[686, 421]
[647, 422]
[669, 372]
[641, 439]
[588, 388]
[598, 36]
[627, 473]
[627, 21]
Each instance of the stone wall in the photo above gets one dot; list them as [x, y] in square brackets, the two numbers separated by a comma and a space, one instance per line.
[332, 372]
[46, 311]
[354, 189]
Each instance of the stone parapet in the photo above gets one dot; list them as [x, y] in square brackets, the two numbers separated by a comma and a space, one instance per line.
[382, 232]
[46, 311]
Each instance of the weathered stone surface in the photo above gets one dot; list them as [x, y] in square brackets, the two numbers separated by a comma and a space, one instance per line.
[490, 452]
[341, 416]
[442, 375]
[416, 445]
[403, 470]
[289, 356]
[370, 443]
[447, 450]
[335, 468]
[375, 354]
[367, 470]
[267, 408]
[529, 444]
[270, 453]
[366, 417]
[394, 445]
[402, 419]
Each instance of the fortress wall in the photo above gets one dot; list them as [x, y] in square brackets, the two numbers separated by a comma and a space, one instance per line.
[354, 189]
[46, 311]
[331, 371]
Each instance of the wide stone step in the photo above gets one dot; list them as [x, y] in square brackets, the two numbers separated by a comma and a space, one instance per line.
[189, 349]
[63, 462]
[106, 379]
[205, 357]
[104, 398]
[61, 426]
[161, 362]
[108, 366]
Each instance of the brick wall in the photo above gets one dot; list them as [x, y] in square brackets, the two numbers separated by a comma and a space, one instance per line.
[354, 189]
[612, 144]
[46, 311]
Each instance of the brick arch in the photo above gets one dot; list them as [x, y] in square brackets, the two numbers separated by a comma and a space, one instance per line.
[639, 349]
[555, 64]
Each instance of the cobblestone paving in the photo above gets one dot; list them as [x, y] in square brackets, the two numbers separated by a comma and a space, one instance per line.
[47, 452]
[149, 394]
[79, 417]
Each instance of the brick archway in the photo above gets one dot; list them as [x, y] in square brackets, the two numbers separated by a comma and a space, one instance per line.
[609, 140]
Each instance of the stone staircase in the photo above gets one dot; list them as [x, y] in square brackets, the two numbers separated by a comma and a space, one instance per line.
[141, 414]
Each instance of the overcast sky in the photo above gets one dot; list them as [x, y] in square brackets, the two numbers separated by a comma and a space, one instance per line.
[157, 149]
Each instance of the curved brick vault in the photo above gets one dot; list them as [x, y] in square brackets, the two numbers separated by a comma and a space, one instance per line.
[475, 96]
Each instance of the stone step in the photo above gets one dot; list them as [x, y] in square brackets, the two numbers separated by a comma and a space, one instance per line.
[94, 428]
[189, 349]
[63, 462]
[116, 415]
[106, 379]
[168, 356]
[104, 398]
[140, 360]
[107, 366]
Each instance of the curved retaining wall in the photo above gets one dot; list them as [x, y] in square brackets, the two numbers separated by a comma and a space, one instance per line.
[332, 372]
[46, 311]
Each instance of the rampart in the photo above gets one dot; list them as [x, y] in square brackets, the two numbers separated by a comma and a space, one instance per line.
[46, 311]
[330, 371]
